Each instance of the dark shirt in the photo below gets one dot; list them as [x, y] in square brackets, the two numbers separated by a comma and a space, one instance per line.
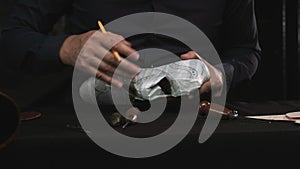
[229, 24]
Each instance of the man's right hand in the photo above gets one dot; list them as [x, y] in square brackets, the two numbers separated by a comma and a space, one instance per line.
[92, 52]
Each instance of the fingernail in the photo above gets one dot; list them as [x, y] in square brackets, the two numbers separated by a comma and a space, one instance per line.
[136, 56]
[138, 70]
[119, 85]
[184, 56]
[133, 76]
[191, 54]
[190, 97]
[127, 43]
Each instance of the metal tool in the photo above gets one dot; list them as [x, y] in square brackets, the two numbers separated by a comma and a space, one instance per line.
[291, 117]
[132, 120]
[205, 107]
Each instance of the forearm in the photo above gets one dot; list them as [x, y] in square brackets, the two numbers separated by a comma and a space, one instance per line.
[26, 33]
[240, 51]
[30, 50]
[239, 65]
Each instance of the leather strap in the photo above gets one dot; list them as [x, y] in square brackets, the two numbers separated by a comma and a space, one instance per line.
[30, 115]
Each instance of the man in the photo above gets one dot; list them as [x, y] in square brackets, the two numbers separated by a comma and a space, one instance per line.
[5, 7]
[229, 24]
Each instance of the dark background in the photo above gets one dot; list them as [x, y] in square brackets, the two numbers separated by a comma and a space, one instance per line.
[239, 143]
[277, 78]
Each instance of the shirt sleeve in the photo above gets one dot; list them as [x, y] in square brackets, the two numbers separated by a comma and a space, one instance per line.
[241, 51]
[26, 33]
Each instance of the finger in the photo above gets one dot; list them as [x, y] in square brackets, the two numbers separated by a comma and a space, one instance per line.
[110, 80]
[189, 55]
[127, 43]
[106, 67]
[93, 55]
[132, 69]
[118, 43]
[103, 54]
[104, 77]
[124, 65]
[194, 55]
[126, 50]
[205, 88]
[134, 56]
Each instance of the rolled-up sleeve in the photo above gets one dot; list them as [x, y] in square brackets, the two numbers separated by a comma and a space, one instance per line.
[241, 51]
[26, 33]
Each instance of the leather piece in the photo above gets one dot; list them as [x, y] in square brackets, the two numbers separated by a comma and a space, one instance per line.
[30, 115]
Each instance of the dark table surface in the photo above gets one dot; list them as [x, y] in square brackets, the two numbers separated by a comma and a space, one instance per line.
[55, 140]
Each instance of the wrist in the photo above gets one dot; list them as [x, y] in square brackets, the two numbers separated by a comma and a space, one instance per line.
[68, 49]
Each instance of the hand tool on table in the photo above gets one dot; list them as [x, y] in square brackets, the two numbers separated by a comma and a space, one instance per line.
[290, 117]
[205, 107]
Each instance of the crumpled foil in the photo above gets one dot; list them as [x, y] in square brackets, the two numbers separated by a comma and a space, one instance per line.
[171, 80]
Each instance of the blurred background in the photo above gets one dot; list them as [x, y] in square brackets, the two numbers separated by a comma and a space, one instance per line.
[278, 77]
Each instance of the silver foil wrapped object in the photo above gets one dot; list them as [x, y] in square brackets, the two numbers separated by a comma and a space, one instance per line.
[171, 80]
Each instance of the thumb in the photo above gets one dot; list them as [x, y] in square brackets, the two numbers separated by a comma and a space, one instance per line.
[189, 55]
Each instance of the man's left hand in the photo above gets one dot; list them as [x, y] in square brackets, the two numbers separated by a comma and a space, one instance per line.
[216, 76]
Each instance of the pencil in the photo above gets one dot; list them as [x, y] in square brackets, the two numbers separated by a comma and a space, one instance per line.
[115, 53]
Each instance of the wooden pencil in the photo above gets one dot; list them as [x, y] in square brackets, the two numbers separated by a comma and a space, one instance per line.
[115, 53]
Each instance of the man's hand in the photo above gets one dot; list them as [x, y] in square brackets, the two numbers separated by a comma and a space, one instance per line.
[92, 52]
[216, 76]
